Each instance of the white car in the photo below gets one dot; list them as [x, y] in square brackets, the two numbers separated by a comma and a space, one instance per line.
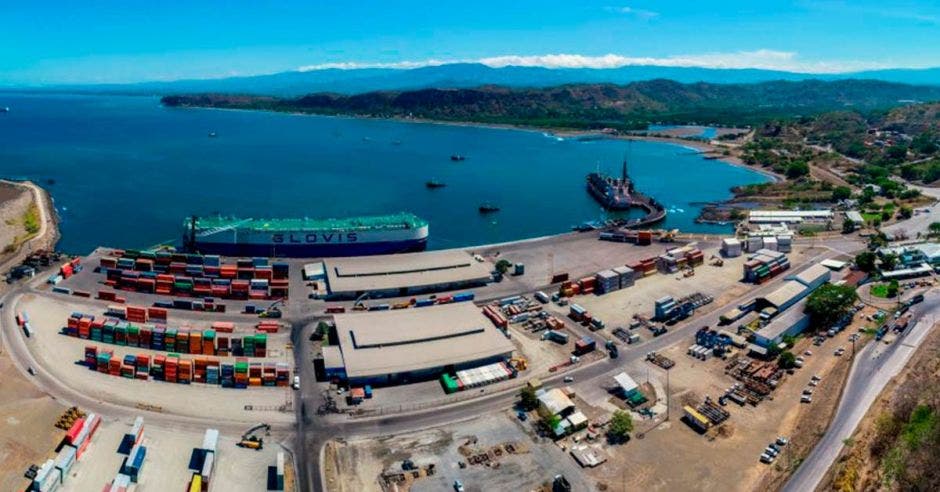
[808, 353]
[296, 382]
[808, 391]
[782, 441]
[569, 379]
[806, 399]
[813, 383]
[816, 378]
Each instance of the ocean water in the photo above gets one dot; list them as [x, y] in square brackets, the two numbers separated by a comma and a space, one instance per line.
[125, 171]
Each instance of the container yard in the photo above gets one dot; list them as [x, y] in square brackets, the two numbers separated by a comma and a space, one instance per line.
[165, 273]
[133, 375]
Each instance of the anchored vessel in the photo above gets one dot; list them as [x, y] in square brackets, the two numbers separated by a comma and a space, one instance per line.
[355, 236]
[618, 194]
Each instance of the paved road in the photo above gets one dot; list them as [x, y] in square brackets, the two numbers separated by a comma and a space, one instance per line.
[873, 368]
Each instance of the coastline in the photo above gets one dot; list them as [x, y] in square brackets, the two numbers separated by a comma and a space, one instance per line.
[706, 149]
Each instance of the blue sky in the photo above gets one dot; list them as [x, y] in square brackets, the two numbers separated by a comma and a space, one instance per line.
[110, 41]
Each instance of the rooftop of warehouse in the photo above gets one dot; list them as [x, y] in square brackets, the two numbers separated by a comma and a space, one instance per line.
[784, 321]
[812, 274]
[785, 293]
[387, 342]
[399, 221]
[385, 272]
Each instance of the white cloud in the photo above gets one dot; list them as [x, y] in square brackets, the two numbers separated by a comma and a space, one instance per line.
[761, 59]
[638, 13]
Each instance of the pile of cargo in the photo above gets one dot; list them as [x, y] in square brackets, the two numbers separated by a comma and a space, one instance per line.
[477, 377]
[276, 473]
[640, 238]
[584, 345]
[555, 336]
[781, 243]
[172, 368]
[494, 315]
[731, 248]
[180, 274]
[584, 286]
[67, 269]
[614, 279]
[22, 319]
[765, 264]
[202, 462]
[670, 310]
[679, 259]
[430, 301]
[645, 267]
[134, 451]
[206, 304]
[159, 337]
[53, 473]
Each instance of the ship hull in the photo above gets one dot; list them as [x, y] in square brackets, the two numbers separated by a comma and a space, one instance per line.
[304, 250]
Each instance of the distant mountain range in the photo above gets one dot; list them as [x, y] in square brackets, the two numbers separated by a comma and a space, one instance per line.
[467, 75]
[626, 106]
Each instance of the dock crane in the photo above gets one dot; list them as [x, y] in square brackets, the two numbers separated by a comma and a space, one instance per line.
[250, 441]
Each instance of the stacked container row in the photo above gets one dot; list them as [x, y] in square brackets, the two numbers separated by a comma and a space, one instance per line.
[159, 337]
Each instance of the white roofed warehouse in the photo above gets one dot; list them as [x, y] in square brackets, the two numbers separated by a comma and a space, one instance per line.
[410, 345]
[404, 274]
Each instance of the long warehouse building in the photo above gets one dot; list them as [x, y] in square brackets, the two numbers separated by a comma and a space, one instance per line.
[404, 274]
[409, 345]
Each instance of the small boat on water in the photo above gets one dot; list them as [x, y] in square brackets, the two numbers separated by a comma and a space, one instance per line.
[488, 208]
[457, 157]
[5, 109]
[213, 134]
[435, 184]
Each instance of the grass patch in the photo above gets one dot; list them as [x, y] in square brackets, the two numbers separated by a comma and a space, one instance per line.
[880, 290]
[870, 217]
[31, 219]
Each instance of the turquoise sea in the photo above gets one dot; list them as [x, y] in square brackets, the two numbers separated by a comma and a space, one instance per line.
[125, 171]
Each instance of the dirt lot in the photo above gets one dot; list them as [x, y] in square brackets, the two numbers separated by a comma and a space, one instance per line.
[27, 425]
[57, 353]
[672, 456]
[355, 465]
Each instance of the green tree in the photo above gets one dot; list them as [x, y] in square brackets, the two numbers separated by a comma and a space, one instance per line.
[828, 303]
[905, 212]
[848, 226]
[797, 169]
[934, 228]
[786, 360]
[527, 398]
[550, 421]
[893, 289]
[889, 262]
[620, 427]
[502, 266]
[865, 261]
[841, 193]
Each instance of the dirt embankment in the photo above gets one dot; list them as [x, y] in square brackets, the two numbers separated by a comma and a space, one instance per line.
[22, 217]
[15, 202]
[897, 445]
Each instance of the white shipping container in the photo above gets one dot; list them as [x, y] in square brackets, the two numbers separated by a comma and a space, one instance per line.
[211, 440]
